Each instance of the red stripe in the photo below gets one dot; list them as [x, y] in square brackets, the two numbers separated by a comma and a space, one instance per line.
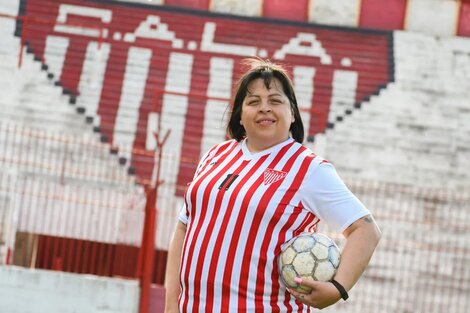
[319, 111]
[192, 195]
[281, 238]
[73, 64]
[193, 132]
[113, 80]
[220, 237]
[151, 102]
[288, 10]
[194, 4]
[388, 15]
[463, 28]
[275, 273]
[237, 230]
[324, 161]
[212, 152]
[306, 224]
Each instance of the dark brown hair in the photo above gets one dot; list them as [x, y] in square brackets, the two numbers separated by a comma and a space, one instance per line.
[265, 70]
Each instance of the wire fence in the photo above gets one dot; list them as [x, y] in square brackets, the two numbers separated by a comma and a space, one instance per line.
[61, 210]
[421, 263]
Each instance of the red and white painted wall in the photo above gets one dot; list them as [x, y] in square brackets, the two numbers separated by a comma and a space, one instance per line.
[437, 17]
[129, 65]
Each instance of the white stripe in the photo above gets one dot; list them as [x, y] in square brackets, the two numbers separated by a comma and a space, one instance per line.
[338, 12]
[220, 78]
[443, 14]
[304, 90]
[214, 124]
[220, 85]
[54, 54]
[91, 80]
[344, 93]
[132, 93]
[178, 78]
[152, 127]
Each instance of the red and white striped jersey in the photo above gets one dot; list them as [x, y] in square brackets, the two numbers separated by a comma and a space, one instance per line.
[239, 209]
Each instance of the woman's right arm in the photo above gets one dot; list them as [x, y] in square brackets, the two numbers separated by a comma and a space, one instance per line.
[172, 282]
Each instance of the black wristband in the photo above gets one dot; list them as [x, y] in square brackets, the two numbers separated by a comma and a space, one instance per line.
[342, 291]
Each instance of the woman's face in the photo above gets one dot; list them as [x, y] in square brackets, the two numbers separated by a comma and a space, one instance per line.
[266, 115]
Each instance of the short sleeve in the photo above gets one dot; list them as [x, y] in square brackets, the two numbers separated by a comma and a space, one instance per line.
[330, 199]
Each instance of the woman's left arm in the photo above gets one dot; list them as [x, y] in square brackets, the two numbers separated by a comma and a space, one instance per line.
[362, 238]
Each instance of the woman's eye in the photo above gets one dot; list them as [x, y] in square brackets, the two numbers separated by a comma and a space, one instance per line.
[253, 102]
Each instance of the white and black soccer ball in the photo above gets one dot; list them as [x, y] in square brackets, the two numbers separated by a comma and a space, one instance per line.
[308, 255]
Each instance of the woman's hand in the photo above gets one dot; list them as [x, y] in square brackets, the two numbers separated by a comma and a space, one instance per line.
[362, 238]
[323, 294]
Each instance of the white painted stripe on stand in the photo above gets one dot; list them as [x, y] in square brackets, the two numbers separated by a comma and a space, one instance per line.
[132, 93]
[220, 86]
[91, 79]
[443, 14]
[338, 12]
[174, 109]
[54, 54]
[344, 93]
[178, 78]
[304, 89]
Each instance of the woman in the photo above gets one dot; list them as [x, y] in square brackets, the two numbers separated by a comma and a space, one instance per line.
[251, 194]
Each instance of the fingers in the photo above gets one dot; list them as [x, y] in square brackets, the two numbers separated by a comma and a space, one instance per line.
[306, 282]
[301, 294]
[321, 294]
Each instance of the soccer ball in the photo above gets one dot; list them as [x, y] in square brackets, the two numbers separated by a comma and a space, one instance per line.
[308, 255]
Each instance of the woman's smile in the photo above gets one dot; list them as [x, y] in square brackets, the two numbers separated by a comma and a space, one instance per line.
[266, 115]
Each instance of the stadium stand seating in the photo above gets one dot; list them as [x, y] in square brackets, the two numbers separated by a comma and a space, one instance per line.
[46, 141]
[418, 124]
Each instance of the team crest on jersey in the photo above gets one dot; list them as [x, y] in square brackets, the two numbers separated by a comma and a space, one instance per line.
[272, 176]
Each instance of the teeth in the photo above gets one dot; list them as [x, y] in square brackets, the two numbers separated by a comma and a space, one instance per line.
[266, 121]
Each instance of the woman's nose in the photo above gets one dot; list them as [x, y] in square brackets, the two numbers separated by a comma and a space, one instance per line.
[264, 107]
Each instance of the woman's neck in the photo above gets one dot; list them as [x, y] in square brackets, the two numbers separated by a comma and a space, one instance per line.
[256, 146]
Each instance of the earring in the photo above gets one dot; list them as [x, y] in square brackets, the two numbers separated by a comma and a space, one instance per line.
[241, 123]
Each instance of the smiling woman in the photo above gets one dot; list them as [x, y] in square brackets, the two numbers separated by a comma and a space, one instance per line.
[265, 97]
[251, 194]
[266, 115]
